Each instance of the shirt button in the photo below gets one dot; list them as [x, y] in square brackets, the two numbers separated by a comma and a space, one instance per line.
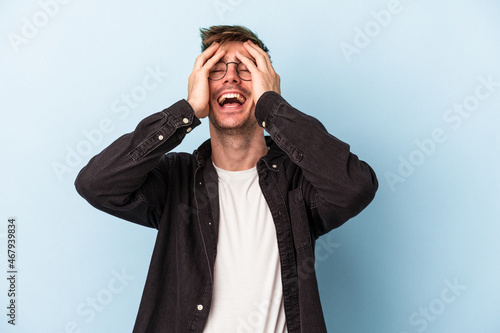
[275, 166]
[199, 307]
[160, 137]
[189, 129]
[185, 120]
[263, 124]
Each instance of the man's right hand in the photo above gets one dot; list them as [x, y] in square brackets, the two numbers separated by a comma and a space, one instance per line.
[198, 90]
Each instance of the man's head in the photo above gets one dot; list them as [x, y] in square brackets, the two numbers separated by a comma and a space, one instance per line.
[232, 109]
[228, 33]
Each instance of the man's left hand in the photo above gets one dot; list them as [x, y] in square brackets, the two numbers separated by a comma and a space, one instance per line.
[264, 78]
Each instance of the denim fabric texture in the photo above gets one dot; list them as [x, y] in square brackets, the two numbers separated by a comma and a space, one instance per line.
[310, 179]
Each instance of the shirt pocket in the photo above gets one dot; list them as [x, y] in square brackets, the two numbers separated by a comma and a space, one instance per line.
[299, 220]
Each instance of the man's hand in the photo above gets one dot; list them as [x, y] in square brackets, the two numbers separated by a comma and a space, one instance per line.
[264, 78]
[198, 91]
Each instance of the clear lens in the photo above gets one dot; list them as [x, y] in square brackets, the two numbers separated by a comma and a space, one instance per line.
[220, 70]
[243, 72]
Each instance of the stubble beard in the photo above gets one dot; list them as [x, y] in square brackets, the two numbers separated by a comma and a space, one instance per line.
[244, 127]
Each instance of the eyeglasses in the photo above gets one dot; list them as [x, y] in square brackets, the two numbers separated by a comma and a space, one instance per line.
[220, 70]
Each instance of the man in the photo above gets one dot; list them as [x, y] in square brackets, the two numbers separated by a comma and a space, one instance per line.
[237, 220]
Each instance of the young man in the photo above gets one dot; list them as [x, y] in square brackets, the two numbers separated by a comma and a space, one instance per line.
[237, 220]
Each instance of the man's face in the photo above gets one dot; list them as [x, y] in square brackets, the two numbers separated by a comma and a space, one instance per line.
[231, 104]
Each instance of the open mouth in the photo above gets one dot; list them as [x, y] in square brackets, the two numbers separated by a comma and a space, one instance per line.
[231, 100]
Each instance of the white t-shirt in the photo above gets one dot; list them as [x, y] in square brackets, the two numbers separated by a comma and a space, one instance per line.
[247, 295]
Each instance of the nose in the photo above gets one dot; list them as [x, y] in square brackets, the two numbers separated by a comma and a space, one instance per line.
[232, 74]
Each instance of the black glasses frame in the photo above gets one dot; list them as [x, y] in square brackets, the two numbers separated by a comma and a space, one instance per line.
[227, 66]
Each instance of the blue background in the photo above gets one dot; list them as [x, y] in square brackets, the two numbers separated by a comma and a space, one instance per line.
[423, 257]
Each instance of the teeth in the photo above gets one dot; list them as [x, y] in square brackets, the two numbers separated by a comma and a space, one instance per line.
[240, 98]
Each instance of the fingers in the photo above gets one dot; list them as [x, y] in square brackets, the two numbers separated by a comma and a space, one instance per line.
[207, 55]
[262, 60]
[264, 77]
[214, 59]
[249, 63]
[260, 56]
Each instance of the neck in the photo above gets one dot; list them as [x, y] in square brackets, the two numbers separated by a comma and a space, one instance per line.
[237, 151]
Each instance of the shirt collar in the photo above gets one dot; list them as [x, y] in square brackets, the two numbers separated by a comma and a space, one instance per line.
[273, 160]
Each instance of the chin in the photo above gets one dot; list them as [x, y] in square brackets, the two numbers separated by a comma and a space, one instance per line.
[232, 121]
